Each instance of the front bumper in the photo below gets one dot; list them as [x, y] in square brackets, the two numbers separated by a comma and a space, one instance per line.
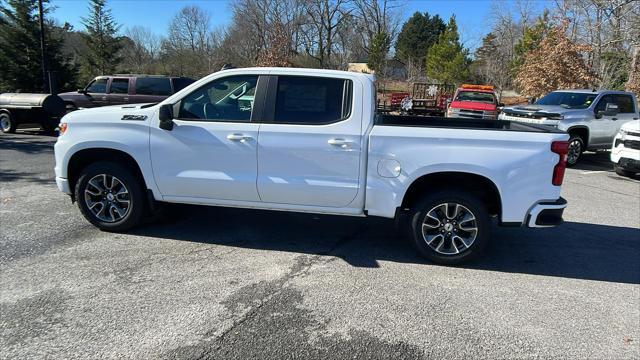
[629, 164]
[546, 214]
[63, 185]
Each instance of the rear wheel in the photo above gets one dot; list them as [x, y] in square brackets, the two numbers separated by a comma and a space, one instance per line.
[576, 148]
[450, 227]
[110, 196]
[7, 124]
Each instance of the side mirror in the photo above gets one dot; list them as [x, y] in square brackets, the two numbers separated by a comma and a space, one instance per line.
[165, 115]
[82, 91]
[610, 109]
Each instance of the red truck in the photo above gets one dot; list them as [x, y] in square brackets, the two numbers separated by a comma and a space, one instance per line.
[474, 102]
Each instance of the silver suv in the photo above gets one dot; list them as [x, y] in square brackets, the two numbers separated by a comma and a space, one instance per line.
[591, 117]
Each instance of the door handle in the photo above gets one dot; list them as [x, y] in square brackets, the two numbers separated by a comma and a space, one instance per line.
[614, 118]
[339, 142]
[126, 99]
[104, 98]
[238, 137]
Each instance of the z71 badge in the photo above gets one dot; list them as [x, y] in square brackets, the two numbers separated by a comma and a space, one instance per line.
[134, 117]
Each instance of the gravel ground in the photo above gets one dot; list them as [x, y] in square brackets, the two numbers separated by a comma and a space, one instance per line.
[237, 284]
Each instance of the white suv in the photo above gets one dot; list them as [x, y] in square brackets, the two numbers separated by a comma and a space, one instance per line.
[625, 152]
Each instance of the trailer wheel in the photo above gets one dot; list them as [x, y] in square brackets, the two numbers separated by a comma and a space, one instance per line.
[7, 124]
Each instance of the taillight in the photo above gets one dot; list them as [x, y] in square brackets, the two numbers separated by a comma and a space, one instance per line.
[561, 148]
[62, 128]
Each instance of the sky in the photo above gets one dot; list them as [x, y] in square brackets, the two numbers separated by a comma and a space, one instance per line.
[473, 16]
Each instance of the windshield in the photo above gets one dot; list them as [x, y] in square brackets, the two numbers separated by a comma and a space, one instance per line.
[475, 96]
[568, 100]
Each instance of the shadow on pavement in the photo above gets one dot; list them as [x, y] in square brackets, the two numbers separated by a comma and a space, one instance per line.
[595, 161]
[572, 250]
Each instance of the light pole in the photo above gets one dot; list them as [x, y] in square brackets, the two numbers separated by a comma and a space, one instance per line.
[45, 82]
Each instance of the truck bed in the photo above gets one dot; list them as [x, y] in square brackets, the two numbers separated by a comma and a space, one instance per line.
[461, 123]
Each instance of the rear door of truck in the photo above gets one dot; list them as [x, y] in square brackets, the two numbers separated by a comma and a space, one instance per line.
[311, 143]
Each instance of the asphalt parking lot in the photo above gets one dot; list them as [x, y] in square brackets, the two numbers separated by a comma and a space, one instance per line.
[229, 283]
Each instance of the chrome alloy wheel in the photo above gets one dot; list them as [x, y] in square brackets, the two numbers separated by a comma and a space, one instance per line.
[575, 149]
[107, 198]
[5, 123]
[449, 228]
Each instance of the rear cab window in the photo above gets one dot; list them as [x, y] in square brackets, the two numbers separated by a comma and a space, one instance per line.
[153, 86]
[312, 100]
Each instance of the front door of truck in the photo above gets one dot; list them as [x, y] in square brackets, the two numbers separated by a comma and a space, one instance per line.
[309, 149]
[211, 152]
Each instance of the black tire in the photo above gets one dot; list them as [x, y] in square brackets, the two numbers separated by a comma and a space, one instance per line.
[49, 128]
[7, 123]
[578, 148]
[136, 196]
[622, 172]
[470, 203]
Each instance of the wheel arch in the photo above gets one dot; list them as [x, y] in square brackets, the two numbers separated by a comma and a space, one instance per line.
[581, 131]
[480, 185]
[83, 158]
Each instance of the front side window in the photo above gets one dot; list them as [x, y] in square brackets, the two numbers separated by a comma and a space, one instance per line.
[568, 100]
[98, 86]
[227, 99]
[120, 86]
[602, 103]
[311, 100]
[153, 86]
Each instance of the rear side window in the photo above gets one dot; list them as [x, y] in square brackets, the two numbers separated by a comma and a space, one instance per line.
[181, 83]
[153, 86]
[625, 104]
[120, 86]
[311, 100]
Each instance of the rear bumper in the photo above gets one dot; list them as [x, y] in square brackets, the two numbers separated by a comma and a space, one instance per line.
[546, 214]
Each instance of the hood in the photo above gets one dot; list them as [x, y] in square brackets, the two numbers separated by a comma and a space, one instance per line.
[540, 110]
[633, 126]
[113, 113]
[473, 105]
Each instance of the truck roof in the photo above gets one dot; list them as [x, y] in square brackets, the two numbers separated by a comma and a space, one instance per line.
[302, 71]
[593, 91]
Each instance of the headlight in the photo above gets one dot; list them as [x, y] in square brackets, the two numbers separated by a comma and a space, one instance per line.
[623, 132]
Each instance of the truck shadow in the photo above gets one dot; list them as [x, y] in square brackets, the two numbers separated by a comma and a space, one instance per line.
[573, 250]
[595, 161]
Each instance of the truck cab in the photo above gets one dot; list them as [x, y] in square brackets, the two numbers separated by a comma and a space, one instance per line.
[474, 102]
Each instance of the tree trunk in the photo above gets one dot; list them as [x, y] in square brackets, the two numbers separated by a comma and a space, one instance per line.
[634, 72]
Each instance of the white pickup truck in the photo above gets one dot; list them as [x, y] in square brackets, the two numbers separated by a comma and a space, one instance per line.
[310, 141]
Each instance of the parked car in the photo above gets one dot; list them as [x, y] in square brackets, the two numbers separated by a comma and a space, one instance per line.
[44, 110]
[591, 117]
[124, 89]
[625, 152]
[320, 148]
[474, 102]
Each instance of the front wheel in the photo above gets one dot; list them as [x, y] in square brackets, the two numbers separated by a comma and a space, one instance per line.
[110, 196]
[576, 147]
[622, 172]
[450, 227]
[7, 124]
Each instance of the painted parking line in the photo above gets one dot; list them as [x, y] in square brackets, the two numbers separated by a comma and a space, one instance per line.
[593, 172]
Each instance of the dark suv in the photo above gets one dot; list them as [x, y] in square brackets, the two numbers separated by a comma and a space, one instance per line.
[124, 89]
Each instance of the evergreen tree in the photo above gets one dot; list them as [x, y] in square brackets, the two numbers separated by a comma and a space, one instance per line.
[447, 60]
[378, 52]
[418, 34]
[103, 44]
[20, 58]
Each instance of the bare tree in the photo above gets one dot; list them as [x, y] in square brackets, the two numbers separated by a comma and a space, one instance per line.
[321, 31]
[142, 50]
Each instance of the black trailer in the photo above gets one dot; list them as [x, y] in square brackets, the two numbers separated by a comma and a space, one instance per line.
[17, 109]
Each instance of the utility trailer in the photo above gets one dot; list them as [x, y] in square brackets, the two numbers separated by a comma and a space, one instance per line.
[44, 110]
[427, 99]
